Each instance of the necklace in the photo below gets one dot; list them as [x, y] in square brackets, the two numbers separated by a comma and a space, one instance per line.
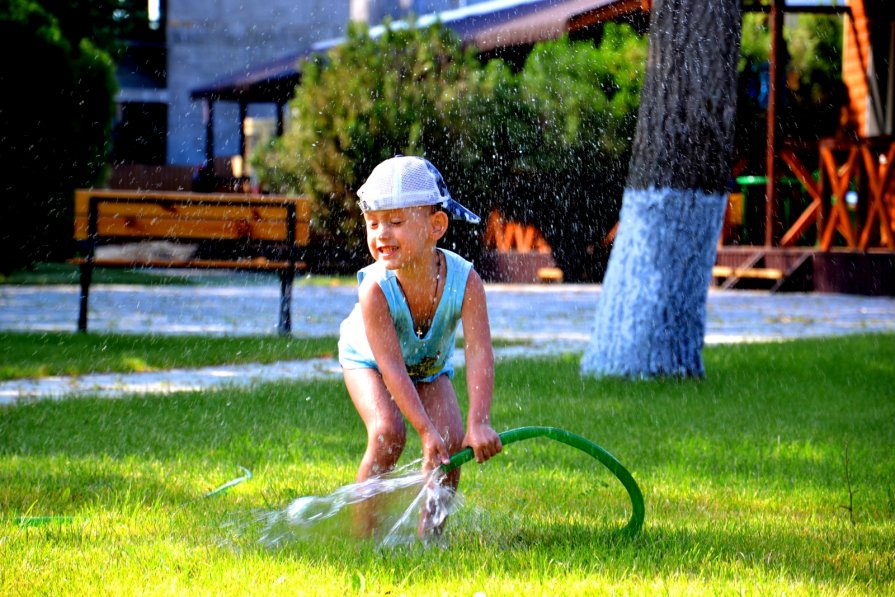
[431, 313]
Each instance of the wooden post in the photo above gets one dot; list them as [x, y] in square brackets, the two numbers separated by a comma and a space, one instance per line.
[209, 133]
[280, 127]
[87, 266]
[775, 84]
[243, 113]
[287, 276]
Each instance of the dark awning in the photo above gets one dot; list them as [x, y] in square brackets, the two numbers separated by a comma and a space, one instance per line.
[273, 82]
[487, 26]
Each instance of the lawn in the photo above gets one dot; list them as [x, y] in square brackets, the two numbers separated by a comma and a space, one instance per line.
[42, 274]
[33, 354]
[66, 273]
[773, 475]
[40, 354]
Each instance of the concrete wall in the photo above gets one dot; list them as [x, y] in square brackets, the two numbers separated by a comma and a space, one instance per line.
[212, 39]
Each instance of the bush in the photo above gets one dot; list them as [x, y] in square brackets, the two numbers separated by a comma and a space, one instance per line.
[548, 145]
[56, 116]
[814, 94]
[366, 101]
[586, 99]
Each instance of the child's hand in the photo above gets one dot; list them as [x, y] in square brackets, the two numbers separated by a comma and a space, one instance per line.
[483, 440]
[435, 452]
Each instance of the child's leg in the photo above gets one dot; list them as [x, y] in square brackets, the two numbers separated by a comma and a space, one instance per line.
[440, 402]
[386, 434]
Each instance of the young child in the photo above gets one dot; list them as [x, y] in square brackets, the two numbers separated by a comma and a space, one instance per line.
[395, 347]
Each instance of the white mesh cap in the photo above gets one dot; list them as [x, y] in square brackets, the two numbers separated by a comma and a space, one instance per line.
[409, 181]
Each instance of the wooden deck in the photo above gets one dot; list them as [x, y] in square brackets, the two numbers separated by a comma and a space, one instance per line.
[775, 269]
[829, 228]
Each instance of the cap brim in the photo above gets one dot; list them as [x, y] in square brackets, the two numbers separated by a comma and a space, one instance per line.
[459, 212]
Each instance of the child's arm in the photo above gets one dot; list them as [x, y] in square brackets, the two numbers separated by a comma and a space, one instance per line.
[480, 436]
[383, 341]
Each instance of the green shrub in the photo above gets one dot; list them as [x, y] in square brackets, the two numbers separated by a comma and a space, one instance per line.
[366, 101]
[586, 99]
[548, 145]
[810, 103]
[56, 115]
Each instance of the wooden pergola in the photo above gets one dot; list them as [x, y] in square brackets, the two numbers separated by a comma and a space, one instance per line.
[838, 235]
[843, 163]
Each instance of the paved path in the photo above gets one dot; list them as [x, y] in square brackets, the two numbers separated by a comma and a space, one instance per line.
[550, 318]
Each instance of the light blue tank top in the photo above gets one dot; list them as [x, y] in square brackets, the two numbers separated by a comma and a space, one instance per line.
[426, 357]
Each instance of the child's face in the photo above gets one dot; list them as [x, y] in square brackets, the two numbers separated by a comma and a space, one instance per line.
[401, 237]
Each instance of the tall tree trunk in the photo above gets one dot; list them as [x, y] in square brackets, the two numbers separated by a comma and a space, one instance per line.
[650, 318]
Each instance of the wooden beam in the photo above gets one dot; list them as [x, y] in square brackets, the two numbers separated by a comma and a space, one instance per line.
[209, 133]
[813, 211]
[840, 177]
[879, 170]
[775, 80]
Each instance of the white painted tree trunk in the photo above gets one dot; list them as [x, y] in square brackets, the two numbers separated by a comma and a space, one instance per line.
[650, 318]
[651, 313]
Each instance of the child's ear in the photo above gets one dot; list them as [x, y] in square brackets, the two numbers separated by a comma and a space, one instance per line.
[438, 224]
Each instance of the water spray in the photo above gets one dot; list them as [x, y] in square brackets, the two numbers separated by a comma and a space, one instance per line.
[576, 441]
[309, 516]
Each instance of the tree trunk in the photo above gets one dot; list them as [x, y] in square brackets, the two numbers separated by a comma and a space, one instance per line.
[650, 318]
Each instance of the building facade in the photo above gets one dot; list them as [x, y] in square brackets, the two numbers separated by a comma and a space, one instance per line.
[200, 41]
[191, 43]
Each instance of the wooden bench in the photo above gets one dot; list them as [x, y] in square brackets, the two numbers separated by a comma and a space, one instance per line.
[762, 273]
[550, 275]
[259, 232]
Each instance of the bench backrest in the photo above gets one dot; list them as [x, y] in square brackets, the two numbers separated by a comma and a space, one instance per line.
[110, 214]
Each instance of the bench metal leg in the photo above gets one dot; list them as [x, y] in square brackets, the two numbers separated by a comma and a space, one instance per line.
[86, 276]
[286, 278]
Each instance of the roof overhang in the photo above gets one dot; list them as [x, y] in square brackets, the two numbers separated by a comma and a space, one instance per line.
[487, 26]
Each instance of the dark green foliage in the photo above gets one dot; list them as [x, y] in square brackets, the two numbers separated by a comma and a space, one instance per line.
[56, 113]
[586, 100]
[368, 100]
[548, 145]
[814, 93]
[106, 23]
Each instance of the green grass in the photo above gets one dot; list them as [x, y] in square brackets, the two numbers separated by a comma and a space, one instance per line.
[746, 477]
[39, 354]
[29, 354]
[44, 274]
[47, 274]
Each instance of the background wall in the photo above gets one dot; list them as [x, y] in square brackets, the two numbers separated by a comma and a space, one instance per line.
[208, 40]
[211, 39]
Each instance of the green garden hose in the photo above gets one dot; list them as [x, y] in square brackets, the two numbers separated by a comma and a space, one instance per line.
[576, 441]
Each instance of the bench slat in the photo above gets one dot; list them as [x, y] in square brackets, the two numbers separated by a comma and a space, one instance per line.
[179, 215]
[165, 228]
[722, 271]
[187, 211]
[82, 197]
[260, 223]
[246, 264]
